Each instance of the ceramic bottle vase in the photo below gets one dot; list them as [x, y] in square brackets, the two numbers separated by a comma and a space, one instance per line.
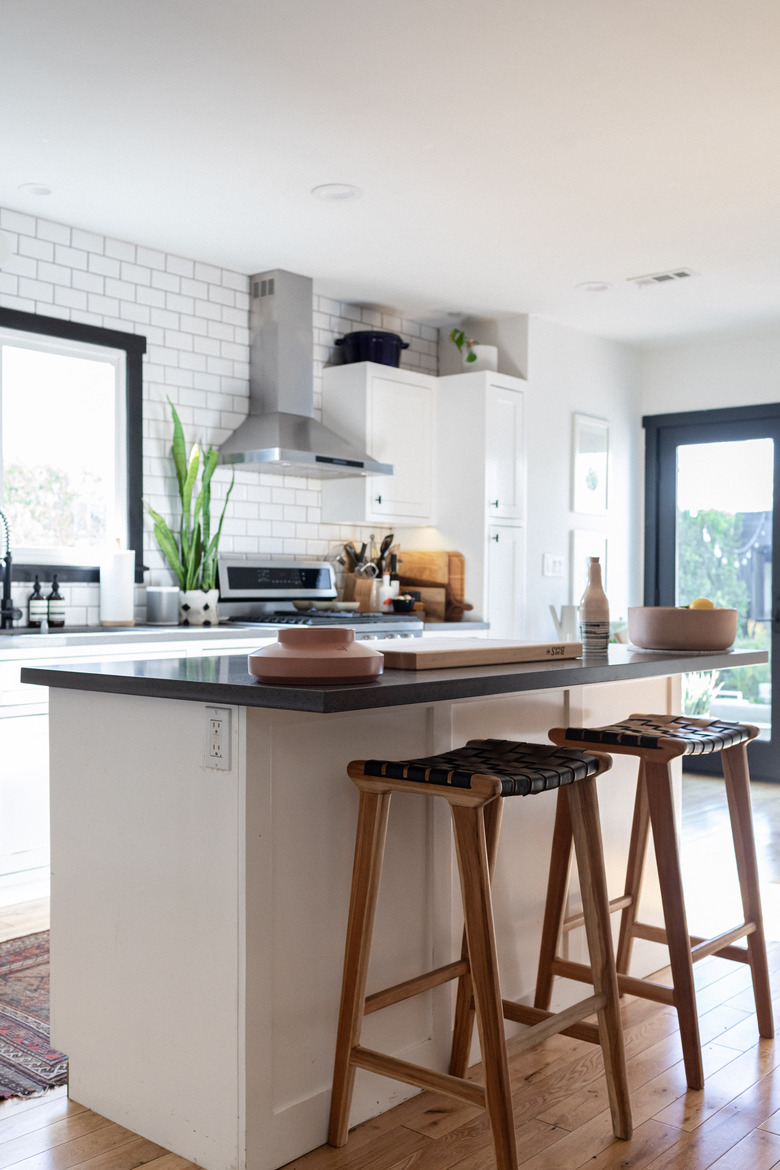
[594, 612]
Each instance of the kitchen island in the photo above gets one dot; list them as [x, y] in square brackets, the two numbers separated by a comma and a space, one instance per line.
[199, 903]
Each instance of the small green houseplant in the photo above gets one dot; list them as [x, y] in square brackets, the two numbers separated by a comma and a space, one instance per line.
[192, 553]
[460, 339]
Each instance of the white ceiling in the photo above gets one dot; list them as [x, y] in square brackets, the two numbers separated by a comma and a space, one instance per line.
[506, 149]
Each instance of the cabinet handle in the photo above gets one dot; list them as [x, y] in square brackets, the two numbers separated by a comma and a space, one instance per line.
[495, 538]
[494, 503]
[377, 499]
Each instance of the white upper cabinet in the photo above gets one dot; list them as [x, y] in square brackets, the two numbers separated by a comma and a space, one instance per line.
[389, 413]
[504, 452]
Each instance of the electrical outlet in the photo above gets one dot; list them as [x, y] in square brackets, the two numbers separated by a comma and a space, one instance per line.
[552, 565]
[216, 748]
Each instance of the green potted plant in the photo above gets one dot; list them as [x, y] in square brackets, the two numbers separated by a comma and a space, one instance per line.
[478, 357]
[192, 552]
[460, 339]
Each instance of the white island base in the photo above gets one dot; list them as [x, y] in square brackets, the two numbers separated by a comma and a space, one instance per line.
[198, 915]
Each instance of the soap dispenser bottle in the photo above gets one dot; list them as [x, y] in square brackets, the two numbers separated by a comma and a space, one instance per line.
[37, 610]
[56, 605]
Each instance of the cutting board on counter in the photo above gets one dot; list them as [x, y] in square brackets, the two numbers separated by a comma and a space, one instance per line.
[444, 652]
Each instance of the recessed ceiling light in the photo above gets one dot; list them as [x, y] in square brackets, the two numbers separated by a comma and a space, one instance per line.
[594, 286]
[35, 188]
[336, 191]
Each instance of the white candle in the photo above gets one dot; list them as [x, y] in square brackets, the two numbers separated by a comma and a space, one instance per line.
[117, 586]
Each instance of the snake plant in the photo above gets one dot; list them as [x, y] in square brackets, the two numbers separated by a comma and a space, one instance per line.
[192, 554]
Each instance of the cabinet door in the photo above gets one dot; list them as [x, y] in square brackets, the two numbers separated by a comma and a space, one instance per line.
[400, 424]
[504, 454]
[505, 580]
[24, 794]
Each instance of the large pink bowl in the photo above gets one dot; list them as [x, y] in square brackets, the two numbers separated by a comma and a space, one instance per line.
[667, 627]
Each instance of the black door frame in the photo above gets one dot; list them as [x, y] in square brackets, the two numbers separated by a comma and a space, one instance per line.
[664, 433]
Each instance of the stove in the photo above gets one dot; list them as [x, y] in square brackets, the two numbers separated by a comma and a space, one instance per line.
[254, 592]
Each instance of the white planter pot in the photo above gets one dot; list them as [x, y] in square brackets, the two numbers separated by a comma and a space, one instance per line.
[486, 358]
[198, 607]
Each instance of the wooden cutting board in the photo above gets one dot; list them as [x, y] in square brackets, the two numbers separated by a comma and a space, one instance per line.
[443, 652]
[430, 566]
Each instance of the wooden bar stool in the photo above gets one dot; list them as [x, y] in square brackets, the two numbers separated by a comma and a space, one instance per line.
[473, 779]
[656, 740]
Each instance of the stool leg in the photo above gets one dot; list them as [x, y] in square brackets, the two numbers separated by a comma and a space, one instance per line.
[469, 827]
[737, 777]
[593, 883]
[463, 1027]
[366, 872]
[661, 806]
[637, 855]
[555, 902]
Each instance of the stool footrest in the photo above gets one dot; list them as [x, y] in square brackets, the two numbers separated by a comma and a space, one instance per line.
[569, 1022]
[719, 944]
[419, 983]
[614, 904]
[627, 984]
[415, 1074]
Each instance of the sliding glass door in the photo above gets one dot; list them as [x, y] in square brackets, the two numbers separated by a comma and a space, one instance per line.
[712, 478]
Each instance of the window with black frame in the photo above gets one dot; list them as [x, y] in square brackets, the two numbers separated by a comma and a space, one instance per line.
[70, 441]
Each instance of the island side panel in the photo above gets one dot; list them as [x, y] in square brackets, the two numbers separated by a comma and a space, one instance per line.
[300, 798]
[145, 875]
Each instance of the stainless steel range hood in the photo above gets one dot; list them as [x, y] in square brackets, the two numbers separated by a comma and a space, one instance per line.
[280, 434]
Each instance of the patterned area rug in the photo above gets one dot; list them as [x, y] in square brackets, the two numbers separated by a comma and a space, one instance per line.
[28, 1063]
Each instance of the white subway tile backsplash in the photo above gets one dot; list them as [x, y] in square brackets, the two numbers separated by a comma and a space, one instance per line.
[36, 290]
[58, 233]
[149, 257]
[17, 221]
[72, 257]
[104, 265]
[120, 250]
[88, 281]
[87, 240]
[70, 298]
[30, 246]
[180, 266]
[136, 273]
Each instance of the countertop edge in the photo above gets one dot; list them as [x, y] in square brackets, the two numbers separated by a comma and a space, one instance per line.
[163, 679]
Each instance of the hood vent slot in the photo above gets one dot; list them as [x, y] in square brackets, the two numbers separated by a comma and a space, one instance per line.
[280, 433]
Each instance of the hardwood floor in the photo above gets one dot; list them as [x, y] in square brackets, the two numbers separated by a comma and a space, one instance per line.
[561, 1114]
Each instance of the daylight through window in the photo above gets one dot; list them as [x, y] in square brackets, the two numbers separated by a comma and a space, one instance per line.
[62, 421]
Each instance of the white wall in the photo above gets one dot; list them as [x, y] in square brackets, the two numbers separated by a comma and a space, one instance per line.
[571, 372]
[704, 373]
[195, 319]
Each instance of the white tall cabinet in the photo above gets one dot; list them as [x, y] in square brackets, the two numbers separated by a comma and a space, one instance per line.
[480, 491]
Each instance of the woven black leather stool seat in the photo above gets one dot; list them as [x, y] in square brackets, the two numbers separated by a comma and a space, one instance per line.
[523, 769]
[645, 731]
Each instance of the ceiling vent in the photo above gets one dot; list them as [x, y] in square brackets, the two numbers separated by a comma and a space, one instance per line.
[672, 276]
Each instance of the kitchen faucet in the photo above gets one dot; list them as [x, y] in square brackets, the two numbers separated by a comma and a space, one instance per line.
[8, 614]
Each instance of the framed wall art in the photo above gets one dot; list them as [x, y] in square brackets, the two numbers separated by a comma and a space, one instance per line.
[589, 464]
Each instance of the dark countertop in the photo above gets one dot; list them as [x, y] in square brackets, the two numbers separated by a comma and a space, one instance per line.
[225, 679]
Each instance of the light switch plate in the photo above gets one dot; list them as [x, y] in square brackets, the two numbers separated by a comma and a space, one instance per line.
[552, 565]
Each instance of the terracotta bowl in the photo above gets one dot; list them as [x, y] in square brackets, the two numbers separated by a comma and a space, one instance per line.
[315, 656]
[667, 627]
